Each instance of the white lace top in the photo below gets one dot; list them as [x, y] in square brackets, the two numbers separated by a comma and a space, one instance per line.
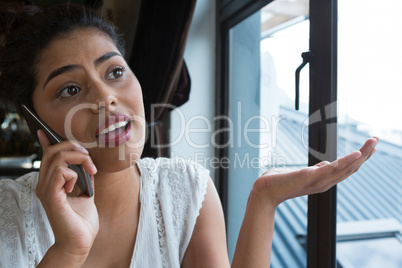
[172, 192]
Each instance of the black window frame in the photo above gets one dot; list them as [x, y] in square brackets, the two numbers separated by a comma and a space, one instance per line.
[321, 230]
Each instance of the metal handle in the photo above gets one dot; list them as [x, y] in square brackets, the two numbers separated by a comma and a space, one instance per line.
[307, 57]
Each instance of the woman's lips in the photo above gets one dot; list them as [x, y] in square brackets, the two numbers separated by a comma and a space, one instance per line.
[115, 131]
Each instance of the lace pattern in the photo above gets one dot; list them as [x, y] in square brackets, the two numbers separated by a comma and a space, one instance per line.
[17, 232]
[8, 233]
[173, 192]
[202, 183]
[177, 190]
[30, 233]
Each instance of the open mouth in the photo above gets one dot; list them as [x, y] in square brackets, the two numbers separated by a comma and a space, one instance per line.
[115, 131]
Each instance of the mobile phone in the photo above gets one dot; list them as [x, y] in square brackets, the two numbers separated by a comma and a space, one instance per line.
[34, 123]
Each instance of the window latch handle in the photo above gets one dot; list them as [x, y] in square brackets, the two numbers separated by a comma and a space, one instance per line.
[307, 57]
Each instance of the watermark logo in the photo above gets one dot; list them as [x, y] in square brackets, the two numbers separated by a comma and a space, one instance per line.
[239, 132]
[326, 116]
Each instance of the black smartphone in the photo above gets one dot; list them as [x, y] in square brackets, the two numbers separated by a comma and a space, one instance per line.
[34, 123]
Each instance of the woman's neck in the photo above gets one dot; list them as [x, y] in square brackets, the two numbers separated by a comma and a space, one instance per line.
[117, 192]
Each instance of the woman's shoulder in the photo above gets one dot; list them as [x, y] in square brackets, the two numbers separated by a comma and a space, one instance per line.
[16, 195]
[14, 186]
[17, 228]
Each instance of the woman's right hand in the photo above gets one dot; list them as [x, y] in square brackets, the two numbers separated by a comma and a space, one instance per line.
[73, 217]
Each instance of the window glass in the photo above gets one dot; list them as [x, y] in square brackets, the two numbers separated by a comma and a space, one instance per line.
[280, 56]
[265, 50]
[371, 253]
[369, 71]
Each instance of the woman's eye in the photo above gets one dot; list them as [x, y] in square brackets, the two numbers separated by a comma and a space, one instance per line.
[116, 73]
[68, 91]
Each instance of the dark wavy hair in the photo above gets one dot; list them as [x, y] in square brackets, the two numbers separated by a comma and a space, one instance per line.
[25, 31]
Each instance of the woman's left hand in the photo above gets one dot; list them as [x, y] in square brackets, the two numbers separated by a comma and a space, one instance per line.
[276, 187]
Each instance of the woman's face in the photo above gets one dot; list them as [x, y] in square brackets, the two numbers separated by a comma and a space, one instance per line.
[86, 92]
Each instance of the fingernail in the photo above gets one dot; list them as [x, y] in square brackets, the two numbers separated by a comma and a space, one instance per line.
[358, 154]
[94, 167]
[374, 145]
[37, 133]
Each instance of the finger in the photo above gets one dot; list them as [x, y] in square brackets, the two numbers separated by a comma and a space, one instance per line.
[351, 168]
[56, 178]
[374, 149]
[368, 146]
[79, 146]
[65, 146]
[63, 179]
[52, 152]
[339, 164]
[272, 171]
[342, 168]
[372, 152]
[70, 182]
[323, 163]
[78, 192]
[367, 150]
[43, 139]
[66, 158]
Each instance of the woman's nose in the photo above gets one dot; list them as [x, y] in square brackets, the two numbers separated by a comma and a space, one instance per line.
[101, 106]
[104, 99]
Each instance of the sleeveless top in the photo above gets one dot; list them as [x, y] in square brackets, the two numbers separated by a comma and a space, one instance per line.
[171, 196]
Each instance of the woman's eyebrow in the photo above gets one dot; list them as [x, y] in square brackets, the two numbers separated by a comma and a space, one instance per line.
[68, 68]
[105, 57]
[59, 71]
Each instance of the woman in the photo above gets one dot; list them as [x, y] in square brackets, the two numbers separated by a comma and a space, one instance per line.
[68, 65]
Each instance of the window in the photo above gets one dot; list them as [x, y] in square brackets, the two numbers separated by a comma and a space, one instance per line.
[371, 198]
[370, 243]
[238, 81]
[372, 194]
[373, 243]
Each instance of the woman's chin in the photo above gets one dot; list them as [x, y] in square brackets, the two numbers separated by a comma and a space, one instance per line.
[114, 159]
